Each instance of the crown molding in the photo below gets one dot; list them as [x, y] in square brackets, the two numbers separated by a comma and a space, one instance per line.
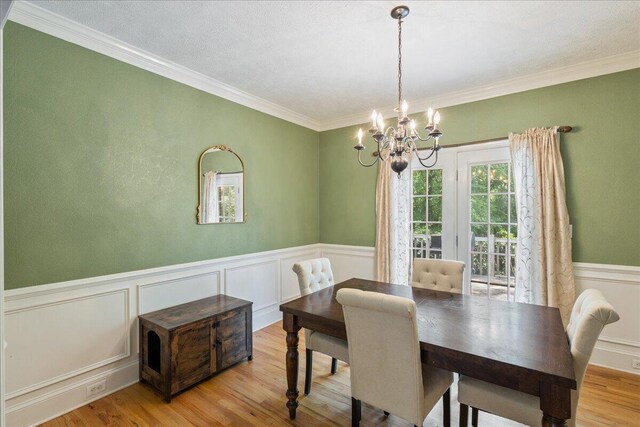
[40, 19]
[583, 70]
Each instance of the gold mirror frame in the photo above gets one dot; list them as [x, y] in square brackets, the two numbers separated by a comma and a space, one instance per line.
[213, 150]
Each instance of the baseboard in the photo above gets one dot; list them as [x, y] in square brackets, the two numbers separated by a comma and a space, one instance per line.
[50, 405]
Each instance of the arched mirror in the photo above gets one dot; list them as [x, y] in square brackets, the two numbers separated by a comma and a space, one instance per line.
[220, 186]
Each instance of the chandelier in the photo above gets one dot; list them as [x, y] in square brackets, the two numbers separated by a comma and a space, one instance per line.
[398, 144]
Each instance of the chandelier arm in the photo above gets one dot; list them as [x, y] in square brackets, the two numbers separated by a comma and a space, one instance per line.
[423, 159]
[367, 165]
[421, 138]
[432, 164]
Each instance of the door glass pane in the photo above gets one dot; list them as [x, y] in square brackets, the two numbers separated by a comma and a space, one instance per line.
[420, 182]
[499, 178]
[513, 208]
[435, 181]
[435, 228]
[480, 267]
[435, 208]
[479, 208]
[479, 179]
[419, 228]
[499, 208]
[419, 208]
[479, 237]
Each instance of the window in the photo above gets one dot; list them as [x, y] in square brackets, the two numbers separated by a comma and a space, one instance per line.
[427, 214]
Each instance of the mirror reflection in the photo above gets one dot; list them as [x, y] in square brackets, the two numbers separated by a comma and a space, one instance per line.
[221, 186]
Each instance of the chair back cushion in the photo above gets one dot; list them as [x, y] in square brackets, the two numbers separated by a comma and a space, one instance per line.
[438, 274]
[591, 312]
[384, 352]
[313, 275]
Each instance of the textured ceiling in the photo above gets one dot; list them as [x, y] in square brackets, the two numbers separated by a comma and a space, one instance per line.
[329, 59]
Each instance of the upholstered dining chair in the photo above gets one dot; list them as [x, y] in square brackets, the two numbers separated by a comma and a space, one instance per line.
[314, 275]
[384, 354]
[591, 312]
[438, 274]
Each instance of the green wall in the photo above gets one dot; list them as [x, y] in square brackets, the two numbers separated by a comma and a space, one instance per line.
[601, 158]
[100, 167]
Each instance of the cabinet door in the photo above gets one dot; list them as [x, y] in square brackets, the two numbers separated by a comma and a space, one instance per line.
[234, 338]
[191, 351]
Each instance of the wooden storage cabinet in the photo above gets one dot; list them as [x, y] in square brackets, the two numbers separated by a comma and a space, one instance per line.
[188, 343]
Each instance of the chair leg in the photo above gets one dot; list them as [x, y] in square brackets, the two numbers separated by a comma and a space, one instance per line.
[464, 415]
[334, 365]
[308, 373]
[446, 402]
[356, 412]
[474, 417]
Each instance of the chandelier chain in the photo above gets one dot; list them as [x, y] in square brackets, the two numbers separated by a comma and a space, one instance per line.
[399, 62]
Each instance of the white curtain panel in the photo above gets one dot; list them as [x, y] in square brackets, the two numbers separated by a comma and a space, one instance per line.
[544, 267]
[400, 238]
[528, 266]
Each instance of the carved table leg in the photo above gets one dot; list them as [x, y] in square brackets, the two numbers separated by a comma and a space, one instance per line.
[555, 402]
[290, 325]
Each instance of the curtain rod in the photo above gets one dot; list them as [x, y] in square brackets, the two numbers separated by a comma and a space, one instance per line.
[561, 129]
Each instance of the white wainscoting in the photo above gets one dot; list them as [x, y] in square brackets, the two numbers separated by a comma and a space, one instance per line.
[66, 336]
[619, 342]
[63, 337]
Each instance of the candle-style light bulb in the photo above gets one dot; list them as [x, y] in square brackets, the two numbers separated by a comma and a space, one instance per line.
[380, 123]
[360, 136]
[374, 118]
[430, 115]
[436, 118]
[412, 127]
[404, 108]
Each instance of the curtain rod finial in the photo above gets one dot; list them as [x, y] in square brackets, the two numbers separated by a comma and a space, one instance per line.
[565, 129]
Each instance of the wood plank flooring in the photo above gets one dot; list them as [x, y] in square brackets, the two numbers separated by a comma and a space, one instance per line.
[252, 394]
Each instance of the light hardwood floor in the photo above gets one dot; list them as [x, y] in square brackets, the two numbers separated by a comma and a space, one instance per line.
[252, 394]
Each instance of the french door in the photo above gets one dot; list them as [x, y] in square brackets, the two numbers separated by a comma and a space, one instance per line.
[464, 209]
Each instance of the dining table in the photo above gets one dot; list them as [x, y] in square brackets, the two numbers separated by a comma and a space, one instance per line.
[519, 346]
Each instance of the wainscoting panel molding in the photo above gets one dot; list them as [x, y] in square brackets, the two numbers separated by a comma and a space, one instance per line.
[350, 261]
[156, 296]
[55, 341]
[619, 343]
[64, 337]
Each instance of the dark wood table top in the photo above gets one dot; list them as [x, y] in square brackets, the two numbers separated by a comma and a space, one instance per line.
[469, 334]
[184, 314]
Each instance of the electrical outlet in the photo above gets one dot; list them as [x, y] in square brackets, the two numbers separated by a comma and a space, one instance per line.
[635, 363]
[97, 387]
